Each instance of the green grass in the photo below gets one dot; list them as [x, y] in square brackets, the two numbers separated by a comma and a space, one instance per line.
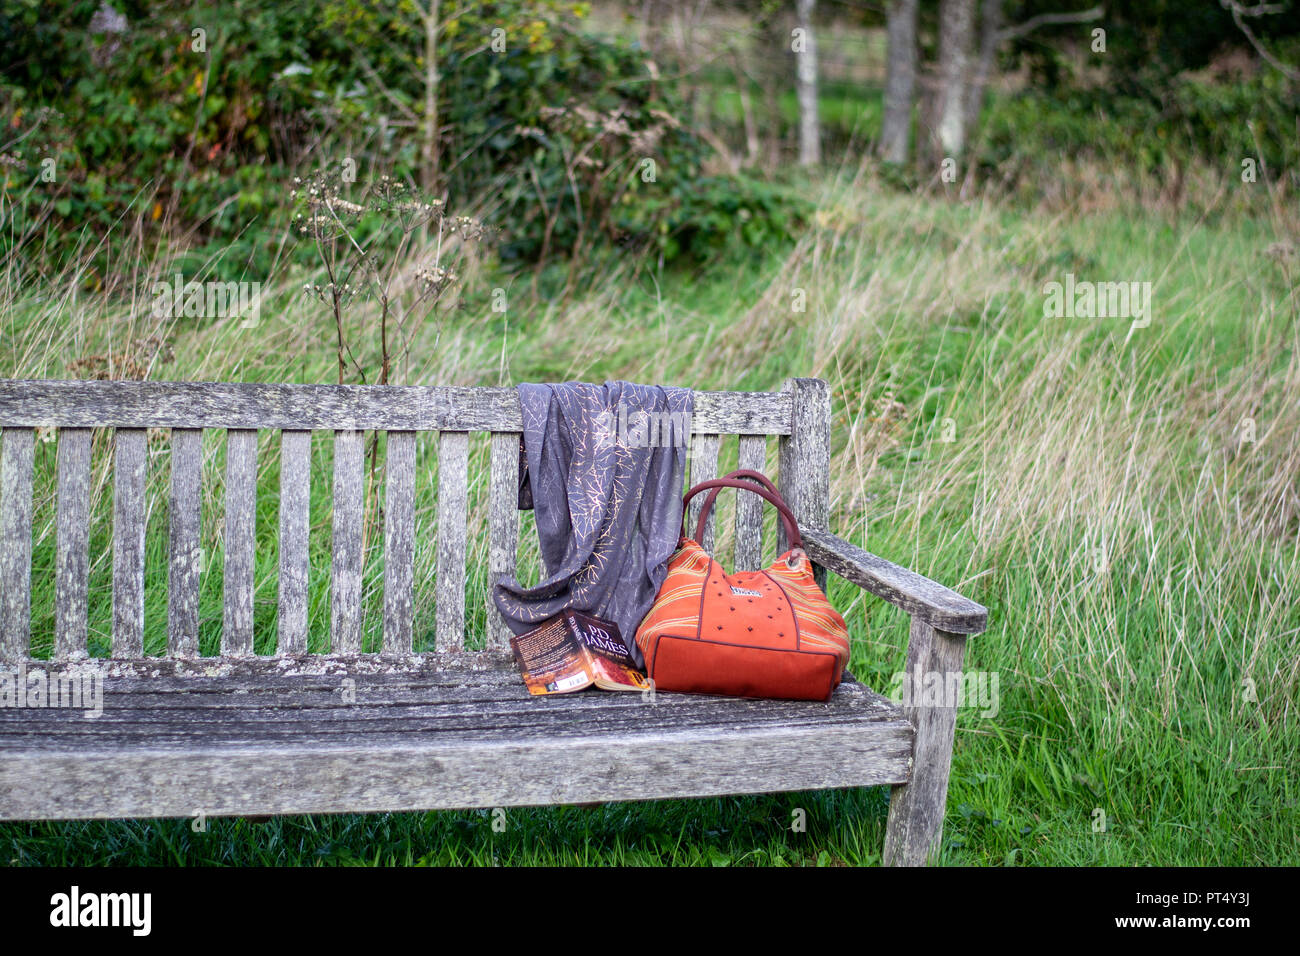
[849, 113]
[842, 827]
[1139, 561]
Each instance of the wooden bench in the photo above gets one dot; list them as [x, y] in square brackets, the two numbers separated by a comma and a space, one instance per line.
[398, 729]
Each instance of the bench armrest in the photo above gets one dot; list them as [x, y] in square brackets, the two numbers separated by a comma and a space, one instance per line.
[926, 600]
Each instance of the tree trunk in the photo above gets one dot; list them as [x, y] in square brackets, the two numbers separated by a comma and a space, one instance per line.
[653, 16]
[956, 27]
[805, 73]
[900, 81]
[773, 39]
[430, 172]
[990, 39]
[746, 111]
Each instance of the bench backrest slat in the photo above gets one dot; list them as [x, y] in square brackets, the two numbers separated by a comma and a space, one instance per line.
[295, 505]
[804, 465]
[503, 524]
[240, 544]
[130, 457]
[453, 503]
[749, 508]
[118, 404]
[703, 467]
[72, 542]
[399, 543]
[798, 416]
[185, 555]
[345, 568]
[15, 540]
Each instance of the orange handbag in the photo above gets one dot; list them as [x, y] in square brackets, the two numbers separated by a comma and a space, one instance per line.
[768, 633]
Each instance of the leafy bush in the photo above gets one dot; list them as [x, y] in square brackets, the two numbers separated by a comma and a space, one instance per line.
[1194, 118]
[187, 122]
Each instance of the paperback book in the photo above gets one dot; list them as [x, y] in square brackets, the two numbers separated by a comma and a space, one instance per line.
[573, 651]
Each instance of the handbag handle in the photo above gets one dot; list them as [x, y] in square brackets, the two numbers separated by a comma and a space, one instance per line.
[791, 526]
[755, 476]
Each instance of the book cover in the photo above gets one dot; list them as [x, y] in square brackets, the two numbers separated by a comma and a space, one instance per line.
[573, 651]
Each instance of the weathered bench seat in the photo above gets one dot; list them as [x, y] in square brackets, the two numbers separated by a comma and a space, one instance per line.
[428, 736]
[344, 731]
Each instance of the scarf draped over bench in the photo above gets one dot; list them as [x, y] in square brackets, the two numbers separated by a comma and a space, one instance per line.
[602, 469]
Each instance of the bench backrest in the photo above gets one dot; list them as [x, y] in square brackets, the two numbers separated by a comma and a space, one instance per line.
[798, 417]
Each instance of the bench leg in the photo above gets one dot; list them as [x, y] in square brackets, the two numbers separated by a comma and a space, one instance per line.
[915, 827]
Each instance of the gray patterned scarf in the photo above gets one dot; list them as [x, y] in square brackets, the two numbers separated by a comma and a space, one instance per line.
[602, 470]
